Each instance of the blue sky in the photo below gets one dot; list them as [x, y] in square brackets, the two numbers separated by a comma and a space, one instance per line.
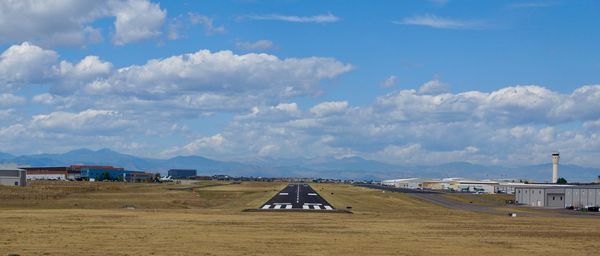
[492, 82]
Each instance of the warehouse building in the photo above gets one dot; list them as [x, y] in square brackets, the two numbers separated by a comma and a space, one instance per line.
[46, 173]
[507, 187]
[13, 177]
[95, 174]
[482, 186]
[409, 183]
[98, 173]
[54, 173]
[582, 196]
[559, 196]
[139, 177]
[73, 174]
[182, 173]
[455, 184]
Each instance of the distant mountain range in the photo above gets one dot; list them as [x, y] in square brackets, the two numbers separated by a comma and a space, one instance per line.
[324, 167]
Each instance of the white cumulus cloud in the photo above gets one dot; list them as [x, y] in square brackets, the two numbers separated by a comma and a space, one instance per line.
[136, 20]
[70, 22]
[26, 63]
[328, 108]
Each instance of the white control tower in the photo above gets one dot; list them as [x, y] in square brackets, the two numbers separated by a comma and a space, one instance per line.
[555, 158]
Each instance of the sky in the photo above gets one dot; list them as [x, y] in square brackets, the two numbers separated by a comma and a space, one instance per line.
[402, 82]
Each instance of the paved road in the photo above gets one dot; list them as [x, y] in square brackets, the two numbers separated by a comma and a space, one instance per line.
[297, 197]
[401, 190]
[438, 198]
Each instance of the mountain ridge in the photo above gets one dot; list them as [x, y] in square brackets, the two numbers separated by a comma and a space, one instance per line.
[325, 167]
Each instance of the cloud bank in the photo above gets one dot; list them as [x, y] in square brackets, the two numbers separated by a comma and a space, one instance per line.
[92, 102]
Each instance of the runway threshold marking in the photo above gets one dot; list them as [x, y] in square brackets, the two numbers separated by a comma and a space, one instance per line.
[306, 199]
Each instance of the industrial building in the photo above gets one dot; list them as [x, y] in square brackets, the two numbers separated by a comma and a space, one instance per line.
[46, 173]
[139, 177]
[13, 177]
[507, 187]
[182, 173]
[73, 172]
[454, 184]
[482, 186]
[87, 172]
[410, 183]
[559, 196]
[94, 174]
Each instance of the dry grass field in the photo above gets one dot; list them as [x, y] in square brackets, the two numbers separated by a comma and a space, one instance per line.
[207, 219]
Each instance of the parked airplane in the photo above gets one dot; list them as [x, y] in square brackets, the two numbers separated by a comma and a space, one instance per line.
[165, 179]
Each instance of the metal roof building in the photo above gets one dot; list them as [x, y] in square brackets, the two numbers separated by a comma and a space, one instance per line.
[46, 173]
[13, 177]
[182, 173]
[559, 196]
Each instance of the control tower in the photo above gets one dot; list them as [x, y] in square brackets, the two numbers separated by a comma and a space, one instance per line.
[555, 158]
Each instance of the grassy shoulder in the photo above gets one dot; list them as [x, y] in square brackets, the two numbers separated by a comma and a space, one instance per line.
[115, 195]
[480, 199]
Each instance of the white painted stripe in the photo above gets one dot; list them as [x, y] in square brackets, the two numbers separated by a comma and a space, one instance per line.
[312, 194]
[289, 206]
[282, 203]
[266, 206]
[278, 206]
[305, 207]
[298, 195]
[327, 207]
[312, 204]
[283, 194]
[317, 207]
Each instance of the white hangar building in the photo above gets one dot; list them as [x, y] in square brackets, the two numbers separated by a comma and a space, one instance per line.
[13, 177]
[559, 196]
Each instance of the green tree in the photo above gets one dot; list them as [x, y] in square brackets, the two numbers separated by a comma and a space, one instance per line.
[561, 180]
[105, 176]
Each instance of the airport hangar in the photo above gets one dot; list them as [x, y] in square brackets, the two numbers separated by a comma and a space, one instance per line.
[13, 177]
[558, 196]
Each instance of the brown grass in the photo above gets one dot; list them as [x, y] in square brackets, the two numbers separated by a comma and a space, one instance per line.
[207, 220]
[481, 199]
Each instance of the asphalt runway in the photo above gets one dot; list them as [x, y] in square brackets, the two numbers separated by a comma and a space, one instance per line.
[297, 197]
